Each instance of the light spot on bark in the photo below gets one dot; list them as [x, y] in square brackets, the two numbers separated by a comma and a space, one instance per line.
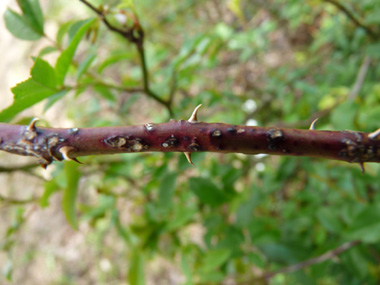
[116, 141]
[216, 133]
[137, 146]
[194, 146]
[150, 127]
[29, 135]
[170, 142]
[274, 137]
[73, 131]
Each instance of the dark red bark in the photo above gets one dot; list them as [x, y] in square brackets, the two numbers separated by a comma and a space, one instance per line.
[49, 144]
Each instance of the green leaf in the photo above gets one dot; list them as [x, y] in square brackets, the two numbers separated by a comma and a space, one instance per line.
[47, 50]
[66, 57]
[33, 14]
[166, 190]
[329, 220]
[215, 258]
[85, 64]
[215, 277]
[125, 4]
[70, 192]
[29, 93]
[43, 73]
[19, 26]
[124, 232]
[281, 253]
[356, 261]
[256, 259]
[181, 216]
[343, 116]
[54, 99]
[186, 269]
[136, 274]
[366, 225]
[50, 188]
[62, 31]
[37, 88]
[368, 117]
[207, 191]
[105, 92]
[115, 58]
[244, 214]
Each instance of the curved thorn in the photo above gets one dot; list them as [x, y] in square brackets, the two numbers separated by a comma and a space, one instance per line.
[32, 124]
[55, 157]
[312, 125]
[188, 156]
[43, 165]
[193, 117]
[76, 160]
[375, 135]
[65, 153]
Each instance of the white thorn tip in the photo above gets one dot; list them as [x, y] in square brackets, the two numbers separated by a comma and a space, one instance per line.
[32, 124]
[65, 153]
[375, 135]
[312, 125]
[188, 156]
[193, 117]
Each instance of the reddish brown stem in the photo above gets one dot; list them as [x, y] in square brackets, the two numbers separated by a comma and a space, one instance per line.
[48, 144]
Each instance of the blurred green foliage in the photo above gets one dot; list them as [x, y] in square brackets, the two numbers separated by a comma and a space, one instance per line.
[233, 218]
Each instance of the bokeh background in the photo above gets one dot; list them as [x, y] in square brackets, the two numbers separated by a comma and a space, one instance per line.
[233, 219]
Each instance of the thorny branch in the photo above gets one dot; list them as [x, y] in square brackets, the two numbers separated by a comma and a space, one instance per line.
[319, 259]
[135, 35]
[49, 144]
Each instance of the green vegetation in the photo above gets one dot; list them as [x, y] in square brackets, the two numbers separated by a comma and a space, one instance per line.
[153, 218]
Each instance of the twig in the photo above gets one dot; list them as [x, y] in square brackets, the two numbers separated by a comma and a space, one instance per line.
[134, 35]
[319, 259]
[351, 16]
[12, 201]
[24, 168]
[100, 81]
[173, 86]
[107, 85]
[128, 34]
[148, 91]
[360, 78]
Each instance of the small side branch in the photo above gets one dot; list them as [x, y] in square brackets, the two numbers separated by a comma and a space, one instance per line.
[360, 78]
[135, 35]
[25, 168]
[353, 18]
[316, 260]
[127, 34]
[11, 201]
[147, 90]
